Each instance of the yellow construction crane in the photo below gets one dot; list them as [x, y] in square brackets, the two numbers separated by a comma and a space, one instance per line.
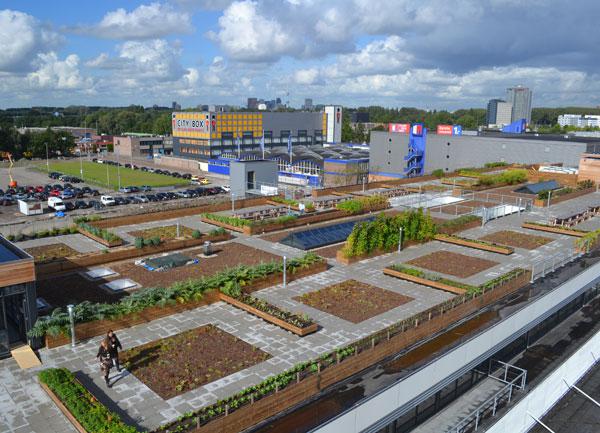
[12, 183]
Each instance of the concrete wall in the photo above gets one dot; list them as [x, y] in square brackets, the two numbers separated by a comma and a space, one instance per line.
[589, 167]
[452, 152]
[265, 173]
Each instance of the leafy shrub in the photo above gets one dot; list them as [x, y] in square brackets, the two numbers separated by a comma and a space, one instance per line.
[139, 242]
[495, 164]
[232, 221]
[438, 173]
[155, 240]
[294, 203]
[197, 235]
[587, 241]
[91, 414]
[147, 242]
[383, 233]
[284, 219]
[363, 204]
[216, 232]
[11, 238]
[98, 232]
[508, 177]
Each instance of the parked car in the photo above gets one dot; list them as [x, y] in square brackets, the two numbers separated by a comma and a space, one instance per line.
[125, 189]
[183, 194]
[152, 197]
[145, 188]
[122, 200]
[66, 194]
[56, 203]
[204, 181]
[107, 200]
[86, 189]
[94, 193]
[226, 188]
[69, 205]
[186, 176]
[81, 204]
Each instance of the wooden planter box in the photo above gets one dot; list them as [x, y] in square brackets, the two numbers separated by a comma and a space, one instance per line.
[271, 319]
[424, 281]
[556, 229]
[473, 244]
[100, 240]
[452, 230]
[63, 408]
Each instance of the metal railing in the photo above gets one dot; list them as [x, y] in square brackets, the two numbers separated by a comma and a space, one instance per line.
[554, 262]
[514, 379]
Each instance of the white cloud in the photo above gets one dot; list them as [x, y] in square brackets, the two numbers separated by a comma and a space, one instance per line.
[54, 73]
[247, 35]
[306, 76]
[22, 38]
[144, 22]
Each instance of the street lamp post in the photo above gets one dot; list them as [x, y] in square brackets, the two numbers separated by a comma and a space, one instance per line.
[232, 202]
[284, 271]
[72, 323]
[400, 239]
[118, 171]
[47, 160]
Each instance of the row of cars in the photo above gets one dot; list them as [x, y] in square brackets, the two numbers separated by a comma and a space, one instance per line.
[103, 201]
[44, 192]
[147, 169]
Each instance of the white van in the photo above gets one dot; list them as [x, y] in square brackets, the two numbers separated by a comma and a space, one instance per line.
[107, 200]
[56, 203]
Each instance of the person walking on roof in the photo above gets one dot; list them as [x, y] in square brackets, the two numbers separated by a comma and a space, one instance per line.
[114, 345]
[105, 360]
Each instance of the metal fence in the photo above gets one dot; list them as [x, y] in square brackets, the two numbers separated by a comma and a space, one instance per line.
[552, 263]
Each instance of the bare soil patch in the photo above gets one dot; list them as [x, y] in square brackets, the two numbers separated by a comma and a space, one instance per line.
[517, 239]
[228, 255]
[73, 289]
[51, 252]
[177, 364]
[463, 207]
[164, 233]
[447, 262]
[353, 300]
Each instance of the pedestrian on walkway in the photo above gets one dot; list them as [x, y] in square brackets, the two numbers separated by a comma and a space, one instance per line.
[114, 345]
[105, 360]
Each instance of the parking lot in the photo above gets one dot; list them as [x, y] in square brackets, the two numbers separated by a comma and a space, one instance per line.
[80, 197]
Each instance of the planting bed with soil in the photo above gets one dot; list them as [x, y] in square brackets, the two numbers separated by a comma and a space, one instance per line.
[51, 252]
[177, 364]
[464, 207]
[447, 262]
[353, 300]
[164, 233]
[228, 255]
[517, 239]
[73, 289]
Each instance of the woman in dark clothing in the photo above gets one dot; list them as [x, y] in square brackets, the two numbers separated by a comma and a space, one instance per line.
[114, 345]
[105, 360]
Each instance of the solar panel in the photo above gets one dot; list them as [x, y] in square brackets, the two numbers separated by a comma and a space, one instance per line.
[320, 237]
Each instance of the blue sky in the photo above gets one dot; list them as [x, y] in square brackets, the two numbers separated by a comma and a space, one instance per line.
[434, 54]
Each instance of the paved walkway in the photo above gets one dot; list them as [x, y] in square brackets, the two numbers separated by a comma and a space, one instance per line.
[24, 407]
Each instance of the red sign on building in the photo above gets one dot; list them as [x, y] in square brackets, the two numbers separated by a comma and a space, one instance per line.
[444, 129]
[401, 128]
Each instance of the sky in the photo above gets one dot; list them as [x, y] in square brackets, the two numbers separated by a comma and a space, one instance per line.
[431, 54]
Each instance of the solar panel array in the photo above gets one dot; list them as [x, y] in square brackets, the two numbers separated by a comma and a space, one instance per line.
[315, 238]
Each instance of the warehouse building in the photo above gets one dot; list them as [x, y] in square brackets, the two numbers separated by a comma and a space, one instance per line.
[209, 135]
[141, 145]
[390, 157]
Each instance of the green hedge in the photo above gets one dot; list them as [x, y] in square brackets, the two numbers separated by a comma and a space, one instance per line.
[586, 242]
[495, 164]
[383, 233]
[295, 203]
[91, 414]
[182, 291]
[363, 204]
[508, 177]
[232, 221]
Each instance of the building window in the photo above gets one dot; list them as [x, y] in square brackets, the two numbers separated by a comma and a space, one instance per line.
[284, 134]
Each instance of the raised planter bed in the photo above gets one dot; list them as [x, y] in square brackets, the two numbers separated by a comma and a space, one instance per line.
[485, 246]
[50, 268]
[109, 244]
[87, 330]
[271, 319]
[423, 281]
[293, 207]
[554, 229]
[560, 198]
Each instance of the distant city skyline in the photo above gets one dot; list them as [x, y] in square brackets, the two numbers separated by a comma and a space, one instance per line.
[429, 54]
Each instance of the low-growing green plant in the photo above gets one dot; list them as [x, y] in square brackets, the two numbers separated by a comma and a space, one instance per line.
[219, 231]
[89, 412]
[232, 221]
[438, 173]
[197, 235]
[139, 242]
[98, 232]
[495, 164]
[588, 241]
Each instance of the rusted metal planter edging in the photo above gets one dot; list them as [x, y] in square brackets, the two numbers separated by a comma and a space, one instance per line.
[423, 281]
[550, 229]
[267, 317]
[473, 244]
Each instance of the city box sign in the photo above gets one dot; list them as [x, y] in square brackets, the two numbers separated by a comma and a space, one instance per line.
[200, 124]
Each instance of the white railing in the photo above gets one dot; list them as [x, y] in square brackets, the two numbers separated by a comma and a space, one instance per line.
[554, 262]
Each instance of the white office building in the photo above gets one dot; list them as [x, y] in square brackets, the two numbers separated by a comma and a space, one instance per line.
[578, 120]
